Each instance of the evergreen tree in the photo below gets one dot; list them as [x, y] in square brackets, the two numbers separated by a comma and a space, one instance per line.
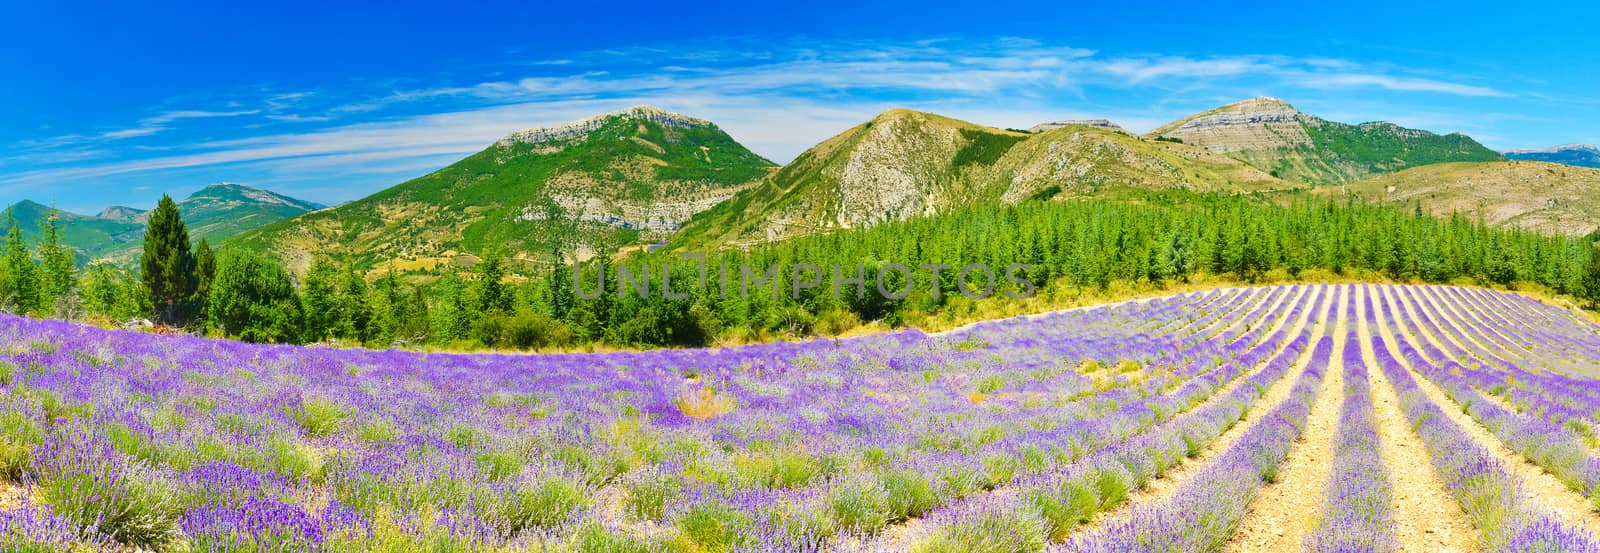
[253, 299]
[1180, 253]
[453, 316]
[24, 276]
[321, 300]
[355, 313]
[493, 296]
[60, 274]
[1591, 277]
[168, 264]
[205, 269]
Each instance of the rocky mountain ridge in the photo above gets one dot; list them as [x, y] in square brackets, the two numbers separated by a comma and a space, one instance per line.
[1274, 136]
[905, 163]
[579, 129]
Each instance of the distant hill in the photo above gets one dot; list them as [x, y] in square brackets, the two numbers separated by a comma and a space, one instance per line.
[120, 213]
[215, 212]
[220, 211]
[592, 186]
[90, 237]
[1532, 195]
[1581, 155]
[1275, 137]
[906, 163]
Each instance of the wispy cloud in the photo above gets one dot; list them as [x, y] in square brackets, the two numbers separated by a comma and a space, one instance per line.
[1403, 84]
[776, 98]
[162, 122]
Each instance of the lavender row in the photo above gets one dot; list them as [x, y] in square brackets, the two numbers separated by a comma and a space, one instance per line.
[1060, 501]
[1553, 447]
[1491, 497]
[1357, 516]
[1115, 486]
[1202, 514]
[1549, 395]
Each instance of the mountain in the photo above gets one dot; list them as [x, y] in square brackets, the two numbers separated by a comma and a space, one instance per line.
[220, 211]
[120, 213]
[1273, 136]
[1532, 195]
[91, 237]
[1581, 155]
[614, 180]
[215, 212]
[906, 163]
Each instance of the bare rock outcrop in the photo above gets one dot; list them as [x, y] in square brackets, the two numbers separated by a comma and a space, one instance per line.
[1093, 123]
[1254, 124]
[579, 129]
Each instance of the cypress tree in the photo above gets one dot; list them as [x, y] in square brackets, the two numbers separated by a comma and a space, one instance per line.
[168, 264]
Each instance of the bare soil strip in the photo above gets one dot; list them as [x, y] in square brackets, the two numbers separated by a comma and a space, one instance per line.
[1426, 517]
[1283, 511]
[1444, 313]
[1402, 306]
[1258, 297]
[1544, 488]
[1161, 488]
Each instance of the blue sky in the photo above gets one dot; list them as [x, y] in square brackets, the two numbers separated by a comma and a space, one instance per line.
[116, 105]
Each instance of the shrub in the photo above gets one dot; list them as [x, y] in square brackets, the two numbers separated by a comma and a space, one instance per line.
[713, 526]
[82, 478]
[319, 417]
[908, 493]
[648, 492]
[860, 506]
[995, 529]
[544, 504]
[18, 436]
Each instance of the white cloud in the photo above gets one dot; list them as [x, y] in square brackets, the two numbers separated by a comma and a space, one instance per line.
[778, 100]
[1404, 84]
[1138, 70]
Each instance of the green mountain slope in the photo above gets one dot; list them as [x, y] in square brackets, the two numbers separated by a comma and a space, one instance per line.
[614, 180]
[215, 212]
[905, 163]
[90, 237]
[1273, 136]
[220, 211]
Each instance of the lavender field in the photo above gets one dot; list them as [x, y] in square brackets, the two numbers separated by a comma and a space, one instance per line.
[1313, 417]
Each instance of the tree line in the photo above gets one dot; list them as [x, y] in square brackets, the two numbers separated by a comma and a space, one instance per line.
[1157, 239]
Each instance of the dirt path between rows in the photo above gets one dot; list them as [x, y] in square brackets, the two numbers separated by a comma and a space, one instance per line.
[1282, 512]
[1426, 516]
[1162, 488]
[1543, 488]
